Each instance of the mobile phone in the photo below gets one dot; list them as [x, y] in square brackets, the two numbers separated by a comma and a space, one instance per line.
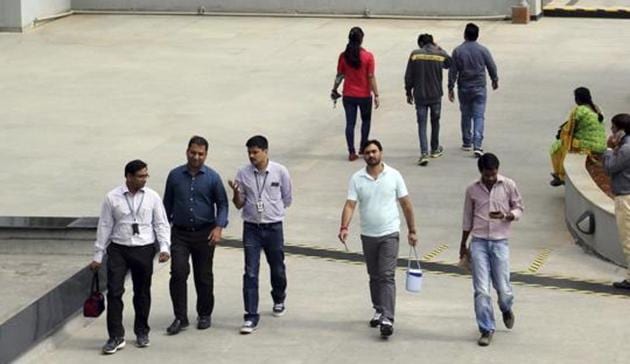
[495, 214]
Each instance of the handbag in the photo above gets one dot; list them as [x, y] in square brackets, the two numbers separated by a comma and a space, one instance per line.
[94, 305]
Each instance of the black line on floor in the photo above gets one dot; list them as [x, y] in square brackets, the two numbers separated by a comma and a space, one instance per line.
[561, 283]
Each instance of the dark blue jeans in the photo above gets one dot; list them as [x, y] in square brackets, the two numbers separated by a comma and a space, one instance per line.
[269, 238]
[421, 112]
[350, 105]
[472, 104]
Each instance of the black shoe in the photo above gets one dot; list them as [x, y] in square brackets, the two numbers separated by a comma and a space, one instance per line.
[387, 328]
[376, 319]
[485, 339]
[556, 182]
[508, 319]
[203, 322]
[142, 341]
[177, 326]
[113, 344]
[625, 284]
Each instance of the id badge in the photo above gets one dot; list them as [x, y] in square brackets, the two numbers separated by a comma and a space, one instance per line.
[259, 206]
[135, 228]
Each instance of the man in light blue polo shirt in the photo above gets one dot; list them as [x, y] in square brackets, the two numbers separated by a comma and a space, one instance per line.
[376, 188]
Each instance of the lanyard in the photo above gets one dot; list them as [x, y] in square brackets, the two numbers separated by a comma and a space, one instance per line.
[260, 190]
[134, 214]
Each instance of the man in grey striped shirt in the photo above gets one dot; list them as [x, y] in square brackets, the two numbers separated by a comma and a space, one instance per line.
[262, 190]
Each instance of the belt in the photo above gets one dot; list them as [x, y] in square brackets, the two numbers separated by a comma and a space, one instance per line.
[192, 228]
[263, 225]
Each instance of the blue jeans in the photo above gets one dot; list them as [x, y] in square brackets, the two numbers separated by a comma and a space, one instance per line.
[350, 105]
[421, 113]
[490, 263]
[472, 104]
[269, 238]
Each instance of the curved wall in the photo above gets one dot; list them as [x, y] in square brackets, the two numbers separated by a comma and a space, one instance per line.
[585, 200]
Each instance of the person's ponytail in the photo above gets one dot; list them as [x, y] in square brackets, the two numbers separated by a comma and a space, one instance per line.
[353, 49]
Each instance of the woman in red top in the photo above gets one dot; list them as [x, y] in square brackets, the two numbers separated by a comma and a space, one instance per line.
[356, 69]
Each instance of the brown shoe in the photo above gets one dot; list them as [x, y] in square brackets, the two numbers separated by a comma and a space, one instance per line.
[353, 157]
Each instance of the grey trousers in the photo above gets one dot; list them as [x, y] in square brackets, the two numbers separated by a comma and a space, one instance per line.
[381, 254]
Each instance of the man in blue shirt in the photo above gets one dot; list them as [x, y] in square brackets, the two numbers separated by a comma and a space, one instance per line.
[468, 70]
[197, 206]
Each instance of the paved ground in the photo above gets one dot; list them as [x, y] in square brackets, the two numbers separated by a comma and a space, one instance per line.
[326, 322]
[24, 278]
[83, 95]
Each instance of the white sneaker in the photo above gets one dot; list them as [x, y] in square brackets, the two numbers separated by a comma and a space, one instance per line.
[248, 327]
[279, 309]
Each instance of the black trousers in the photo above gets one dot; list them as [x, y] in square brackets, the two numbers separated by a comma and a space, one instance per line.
[184, 246]
[120, 260]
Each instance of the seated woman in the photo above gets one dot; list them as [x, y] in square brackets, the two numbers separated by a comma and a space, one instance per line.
[582, 133]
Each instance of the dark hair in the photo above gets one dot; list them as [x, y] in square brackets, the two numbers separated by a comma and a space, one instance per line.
[583, 97]
[424, 39]
[353, 49]
[198, 140]
[372, 141]
[134, 166]
[471, 32]
[487, 161]
[622, 122]
[257, 141]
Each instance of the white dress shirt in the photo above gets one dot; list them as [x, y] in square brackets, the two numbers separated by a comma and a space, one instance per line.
[115, 223]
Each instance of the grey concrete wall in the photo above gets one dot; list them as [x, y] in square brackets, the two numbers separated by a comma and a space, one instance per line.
[583, 195]
[10, 16]
[32, 9]
[378, 7]
[45, 314]
[18, 14]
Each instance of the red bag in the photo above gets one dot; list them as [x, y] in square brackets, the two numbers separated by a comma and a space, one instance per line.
[94, 305]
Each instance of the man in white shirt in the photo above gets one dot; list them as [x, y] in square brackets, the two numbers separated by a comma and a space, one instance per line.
[132, 219]
[376, 188]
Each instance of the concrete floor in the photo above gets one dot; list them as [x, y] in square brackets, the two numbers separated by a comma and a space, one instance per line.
[24, 278]
[326, 322]
[83, 95]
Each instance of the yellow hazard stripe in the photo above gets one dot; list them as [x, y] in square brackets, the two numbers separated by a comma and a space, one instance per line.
[614, 9]
[539, 261]
[437, 251]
